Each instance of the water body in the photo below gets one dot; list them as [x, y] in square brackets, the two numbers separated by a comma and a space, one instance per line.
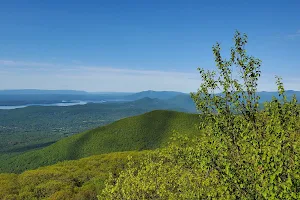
[51, 104]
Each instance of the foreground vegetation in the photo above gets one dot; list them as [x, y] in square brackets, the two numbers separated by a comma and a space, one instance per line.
[148, 131]
[79, 180]
[242, 152]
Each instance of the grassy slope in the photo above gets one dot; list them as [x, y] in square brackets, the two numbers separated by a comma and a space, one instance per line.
[147, 131]
[79, 179]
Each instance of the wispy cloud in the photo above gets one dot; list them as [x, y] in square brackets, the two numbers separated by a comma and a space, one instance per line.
[40, 66]
[26, 64]
[21, 74]
[294, 35]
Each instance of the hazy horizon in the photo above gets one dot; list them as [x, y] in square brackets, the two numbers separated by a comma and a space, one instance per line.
[126, 92]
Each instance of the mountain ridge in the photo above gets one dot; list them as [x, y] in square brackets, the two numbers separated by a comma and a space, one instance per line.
[143, 132]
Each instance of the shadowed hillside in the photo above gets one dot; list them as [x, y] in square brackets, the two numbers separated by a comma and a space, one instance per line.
[147, 131]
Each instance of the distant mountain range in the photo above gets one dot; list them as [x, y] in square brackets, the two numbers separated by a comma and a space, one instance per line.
[31, 96]
[132, 95]
[154, 94]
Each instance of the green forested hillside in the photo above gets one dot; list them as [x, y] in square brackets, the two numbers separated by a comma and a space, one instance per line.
[37, 126]
[147, 131]
[80, 179]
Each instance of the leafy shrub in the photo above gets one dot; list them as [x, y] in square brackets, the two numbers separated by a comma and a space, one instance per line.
[8, 186]
[241, 153]
[168, 173]
[78, 179]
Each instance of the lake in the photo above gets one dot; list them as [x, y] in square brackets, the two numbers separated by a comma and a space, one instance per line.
[51, 104]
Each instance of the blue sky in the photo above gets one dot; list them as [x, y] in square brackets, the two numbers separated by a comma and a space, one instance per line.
[140, 45]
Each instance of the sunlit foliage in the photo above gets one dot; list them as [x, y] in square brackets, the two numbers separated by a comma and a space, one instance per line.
[242, 152]
[80, 180]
